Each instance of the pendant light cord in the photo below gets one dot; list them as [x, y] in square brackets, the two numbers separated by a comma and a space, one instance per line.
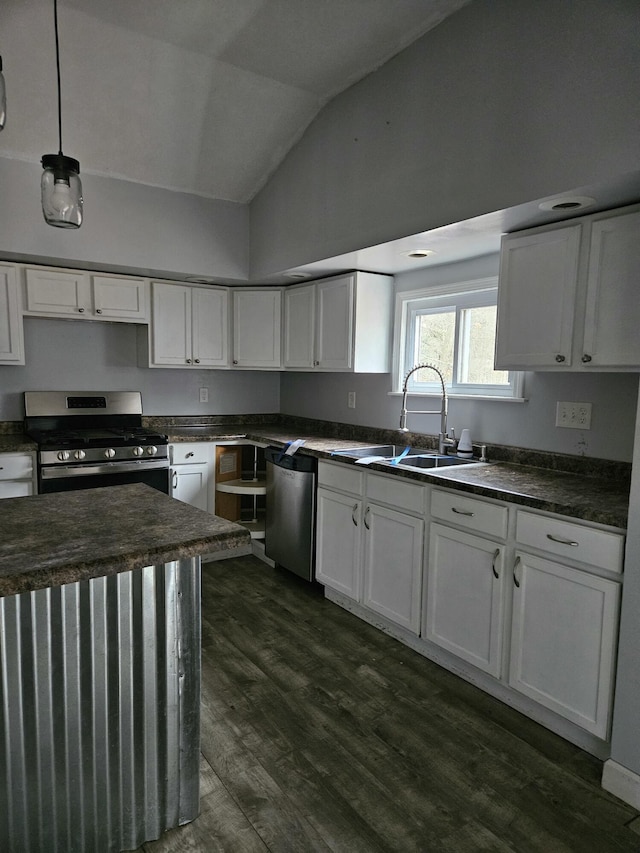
[55, 23]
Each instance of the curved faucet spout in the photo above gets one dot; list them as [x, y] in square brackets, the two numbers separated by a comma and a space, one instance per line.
[444, 441]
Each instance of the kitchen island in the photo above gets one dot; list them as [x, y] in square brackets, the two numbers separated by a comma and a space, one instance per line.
[100, 666]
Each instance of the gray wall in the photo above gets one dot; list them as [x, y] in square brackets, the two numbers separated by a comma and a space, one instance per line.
[72, 355]
[504, 102]
[126, 226]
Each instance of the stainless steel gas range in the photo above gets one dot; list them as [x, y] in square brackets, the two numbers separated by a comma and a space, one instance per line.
[90, 439]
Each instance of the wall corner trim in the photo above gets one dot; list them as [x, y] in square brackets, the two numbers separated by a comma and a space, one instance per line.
[621, 782]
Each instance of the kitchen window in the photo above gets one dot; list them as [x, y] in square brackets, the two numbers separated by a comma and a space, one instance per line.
[454, 328]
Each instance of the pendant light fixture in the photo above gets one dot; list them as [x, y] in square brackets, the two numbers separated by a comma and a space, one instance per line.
[61, 188]
[3, 99]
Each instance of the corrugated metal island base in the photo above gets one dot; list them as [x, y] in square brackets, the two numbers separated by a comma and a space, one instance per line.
[100, 676]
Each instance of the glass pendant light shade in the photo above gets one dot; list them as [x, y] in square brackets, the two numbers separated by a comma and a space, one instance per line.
[61, 191]
[3, 99]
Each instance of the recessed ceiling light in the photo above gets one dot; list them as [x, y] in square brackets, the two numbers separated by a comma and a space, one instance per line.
[197, 279]
[420, 253]
[297, 275]
[575, 202]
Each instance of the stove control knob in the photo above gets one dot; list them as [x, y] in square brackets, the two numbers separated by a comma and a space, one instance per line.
[63, 455]
[152, 450]
[79, 454]
[138, 451]
[110, 453]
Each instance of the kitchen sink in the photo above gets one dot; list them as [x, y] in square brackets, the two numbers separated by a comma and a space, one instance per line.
[388, 451]
[433, 461]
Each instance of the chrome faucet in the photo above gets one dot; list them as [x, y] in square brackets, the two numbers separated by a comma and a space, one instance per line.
[444, 439]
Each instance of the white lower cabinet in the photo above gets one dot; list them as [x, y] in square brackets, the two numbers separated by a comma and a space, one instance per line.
[367, 549]
[465, 581]
[17, 475]
[564, 630]
[191, 469]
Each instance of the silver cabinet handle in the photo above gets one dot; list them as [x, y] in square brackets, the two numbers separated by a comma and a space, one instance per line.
[235, 360]
[562, 541]
[188, 361]
[197, 361]
[189, 454]
[560, 358]
[98, 310]
[367, 511]
[462, 512]
[353, 515]
[81, 310]
[515, 566]
[586, 358]
[496, 554]
[174, 482]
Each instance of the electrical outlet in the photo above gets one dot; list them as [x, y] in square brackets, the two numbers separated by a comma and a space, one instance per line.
[574, 415]
[204, 395]
[351, 400]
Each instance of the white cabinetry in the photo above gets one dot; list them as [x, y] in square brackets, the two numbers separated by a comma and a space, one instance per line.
[17, 475]
[465, 586]
[565, 618]
[74, 293]
[368, 549]
[567, 297]
[11, 331]
[341, 323]
[257, 325]
[191, 473]
[189, 326]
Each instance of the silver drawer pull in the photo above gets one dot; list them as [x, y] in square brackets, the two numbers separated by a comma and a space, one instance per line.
[562, 541]
[462, 512]
[353, 515]
[190, 454]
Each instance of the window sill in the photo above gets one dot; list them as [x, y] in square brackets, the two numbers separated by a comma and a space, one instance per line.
[450, 396]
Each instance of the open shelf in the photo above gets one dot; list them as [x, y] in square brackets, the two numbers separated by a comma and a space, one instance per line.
[255, 528]
[243, 487]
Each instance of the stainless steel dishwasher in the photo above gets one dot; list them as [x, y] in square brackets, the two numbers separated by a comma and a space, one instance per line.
[291, 511]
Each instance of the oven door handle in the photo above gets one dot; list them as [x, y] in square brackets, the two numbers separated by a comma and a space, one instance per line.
[58, 472]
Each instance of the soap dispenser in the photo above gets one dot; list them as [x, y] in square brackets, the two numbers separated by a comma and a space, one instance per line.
[465, 448]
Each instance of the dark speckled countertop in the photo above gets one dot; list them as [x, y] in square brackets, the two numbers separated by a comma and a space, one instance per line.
[600, 499]
[16, 442]
[49, 540]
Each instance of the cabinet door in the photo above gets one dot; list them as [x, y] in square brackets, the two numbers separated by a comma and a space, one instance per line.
[170, 324]
[57, 292]
[189, 483]
[117, 298]
[299, 326]
[338, 527]
[464, 597]
[11, 333]
[256, 328]
[563, 640]
[393, 565]
[536, 298]
[334, 323]
[612, 317]
[210, 324]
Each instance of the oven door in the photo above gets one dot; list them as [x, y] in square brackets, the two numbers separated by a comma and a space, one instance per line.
[66, 478]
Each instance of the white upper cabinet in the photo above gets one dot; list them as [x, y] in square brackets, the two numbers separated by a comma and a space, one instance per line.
[11, 331]
[257, 327]
[342, 323]
[74, 293]
[189, 326]
[568, 298]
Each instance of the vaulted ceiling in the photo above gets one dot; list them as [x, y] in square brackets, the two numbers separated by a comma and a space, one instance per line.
[199, 96]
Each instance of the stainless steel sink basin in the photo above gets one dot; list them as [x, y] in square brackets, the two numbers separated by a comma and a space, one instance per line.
[433, 461]
[389, 451]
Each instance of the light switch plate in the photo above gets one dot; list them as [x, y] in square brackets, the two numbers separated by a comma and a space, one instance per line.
[204, 395]
[573, 415]
[351, 400]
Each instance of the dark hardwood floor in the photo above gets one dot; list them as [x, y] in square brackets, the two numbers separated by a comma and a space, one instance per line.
[321, 733]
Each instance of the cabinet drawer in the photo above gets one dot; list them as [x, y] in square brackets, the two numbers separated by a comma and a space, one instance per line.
[471, 513]
[337, 475]
[572, 541]
[190, 453]
[396, 492]
[17, 466]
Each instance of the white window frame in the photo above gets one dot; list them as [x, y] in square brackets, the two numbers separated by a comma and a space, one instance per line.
[457, 297]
